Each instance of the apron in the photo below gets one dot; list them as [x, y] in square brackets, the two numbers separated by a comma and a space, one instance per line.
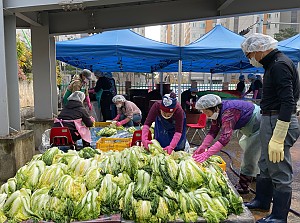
[253, 125]
[69, 92]
[66, 95]
[98, 97]
[251, 144]
[83, 131]
[164, 132]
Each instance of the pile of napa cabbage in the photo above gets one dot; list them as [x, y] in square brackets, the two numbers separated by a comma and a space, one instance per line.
[144, 186]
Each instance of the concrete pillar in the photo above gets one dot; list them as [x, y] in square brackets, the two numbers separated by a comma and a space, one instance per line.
[53, 76]
[12, 72]
[41, 69]
[4, 127]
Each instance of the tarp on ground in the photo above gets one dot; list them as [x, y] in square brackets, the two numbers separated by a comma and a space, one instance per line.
[218, 51]
[291, 47]
[117, 51]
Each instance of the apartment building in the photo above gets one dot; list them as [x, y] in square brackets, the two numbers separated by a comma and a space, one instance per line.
[141, 31]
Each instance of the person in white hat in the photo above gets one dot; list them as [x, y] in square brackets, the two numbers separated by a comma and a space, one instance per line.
[170, 124]
[79, 83]
[279, 126]
[227, 116]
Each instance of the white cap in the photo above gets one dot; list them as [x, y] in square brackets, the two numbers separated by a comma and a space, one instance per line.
[258, 42]
[77, 96]
[87, 73]
[208, 101]
[118, 98]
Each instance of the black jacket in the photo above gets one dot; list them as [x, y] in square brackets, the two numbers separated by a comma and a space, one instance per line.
[74, 110]
[241, 87]
[281, 85]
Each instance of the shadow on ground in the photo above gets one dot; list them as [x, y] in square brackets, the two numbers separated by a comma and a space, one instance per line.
[234, 160]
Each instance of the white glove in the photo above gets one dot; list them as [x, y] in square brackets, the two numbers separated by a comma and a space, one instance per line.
[276, 144]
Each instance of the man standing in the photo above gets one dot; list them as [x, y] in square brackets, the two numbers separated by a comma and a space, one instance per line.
[279, 127]
[188, 100]
[240, 87]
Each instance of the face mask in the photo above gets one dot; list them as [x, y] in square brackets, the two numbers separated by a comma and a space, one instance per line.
[214, 116]
[254, 62]
[119, 105]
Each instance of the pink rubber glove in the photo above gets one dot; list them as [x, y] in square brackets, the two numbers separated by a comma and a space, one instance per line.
[88, 101]
[123, 122]
[169, 149]
[211, 151]
[92, 118]
[117, 117]
[145, 133]
[91, 91]
[206, 142]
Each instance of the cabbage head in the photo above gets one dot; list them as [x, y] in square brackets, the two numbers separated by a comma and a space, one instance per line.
[89, 207]
[93, 178]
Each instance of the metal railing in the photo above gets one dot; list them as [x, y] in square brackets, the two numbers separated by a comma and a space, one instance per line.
[173, 87]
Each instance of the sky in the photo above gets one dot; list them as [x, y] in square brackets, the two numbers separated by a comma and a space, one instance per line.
[153, 32]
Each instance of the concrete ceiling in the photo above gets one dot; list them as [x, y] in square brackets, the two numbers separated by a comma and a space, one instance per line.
[82, 16]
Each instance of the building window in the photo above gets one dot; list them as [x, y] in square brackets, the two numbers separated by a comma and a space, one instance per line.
[269, 15]
[276, 25]
[202, 25]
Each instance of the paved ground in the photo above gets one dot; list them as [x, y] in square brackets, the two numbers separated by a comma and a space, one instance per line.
[236, 155]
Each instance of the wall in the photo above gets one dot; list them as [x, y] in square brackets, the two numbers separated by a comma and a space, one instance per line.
[26, 93]
[15, 151]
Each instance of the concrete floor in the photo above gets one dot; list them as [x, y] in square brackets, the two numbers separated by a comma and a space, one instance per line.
[236, 154]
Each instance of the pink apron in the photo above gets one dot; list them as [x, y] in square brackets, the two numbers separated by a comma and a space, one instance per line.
[83, 131]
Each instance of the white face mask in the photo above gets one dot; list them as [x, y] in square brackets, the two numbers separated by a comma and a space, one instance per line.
[214, 116]
[118, 105]
[254, 62]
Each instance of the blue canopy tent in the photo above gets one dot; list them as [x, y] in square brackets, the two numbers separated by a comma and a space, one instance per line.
[291, 47]
[117, 51]
[218, 51]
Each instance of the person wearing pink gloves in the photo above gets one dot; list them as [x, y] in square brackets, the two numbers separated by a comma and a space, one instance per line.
[170, 124]
[227, 116]
[128, 113]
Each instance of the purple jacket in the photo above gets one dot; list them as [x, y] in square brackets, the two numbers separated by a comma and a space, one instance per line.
[234, 114]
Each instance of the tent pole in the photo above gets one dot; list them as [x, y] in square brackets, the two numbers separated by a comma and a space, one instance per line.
[152, 81]
[161, 83]
[179, 80]
[210, 87]
[179, 63]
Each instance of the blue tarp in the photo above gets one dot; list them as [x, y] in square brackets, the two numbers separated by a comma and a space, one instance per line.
[291, 47]
[117, 51]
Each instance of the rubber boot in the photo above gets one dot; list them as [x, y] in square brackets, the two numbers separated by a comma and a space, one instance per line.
[243, 185]
[264, 193]
[281, 206]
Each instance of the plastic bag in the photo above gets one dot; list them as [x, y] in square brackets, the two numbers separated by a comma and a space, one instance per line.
[45, 144]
